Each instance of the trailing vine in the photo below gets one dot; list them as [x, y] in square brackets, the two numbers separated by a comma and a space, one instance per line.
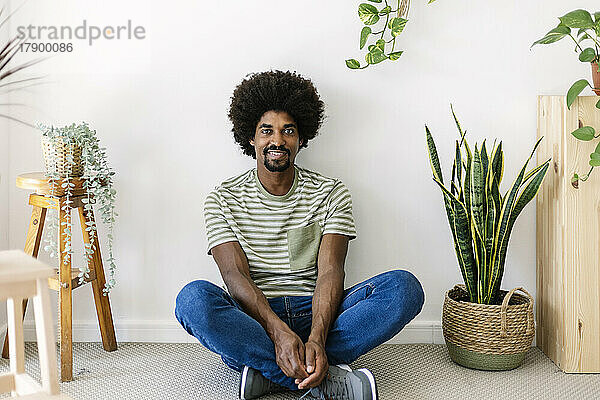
[381, 50]
[98, 188]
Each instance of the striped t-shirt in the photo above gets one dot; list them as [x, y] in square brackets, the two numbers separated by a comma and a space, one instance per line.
[280, 235]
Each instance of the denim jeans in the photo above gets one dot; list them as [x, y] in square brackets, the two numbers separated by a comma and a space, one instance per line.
[371, 312]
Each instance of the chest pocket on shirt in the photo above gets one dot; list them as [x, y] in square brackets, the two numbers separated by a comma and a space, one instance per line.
[303, 245]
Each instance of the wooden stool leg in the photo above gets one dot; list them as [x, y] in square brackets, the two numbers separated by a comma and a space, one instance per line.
[66, 307]
[45, 338]
[32, 247]
[15, 329]
[103, 310]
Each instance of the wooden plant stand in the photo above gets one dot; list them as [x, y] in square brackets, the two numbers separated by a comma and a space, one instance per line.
[568, 238]
[65, 280]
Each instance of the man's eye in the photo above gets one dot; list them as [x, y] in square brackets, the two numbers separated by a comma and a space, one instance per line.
[266, 131]
[289, 131]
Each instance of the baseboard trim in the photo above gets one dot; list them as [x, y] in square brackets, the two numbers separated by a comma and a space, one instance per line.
[169, 331]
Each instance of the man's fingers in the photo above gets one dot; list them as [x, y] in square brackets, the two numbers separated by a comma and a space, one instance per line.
[301, 351]
[310, 360]
[314, 379]
[298, 369]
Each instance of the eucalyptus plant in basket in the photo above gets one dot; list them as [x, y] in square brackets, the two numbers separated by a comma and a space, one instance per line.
[80, 150]
[484, 327]
[584, 30]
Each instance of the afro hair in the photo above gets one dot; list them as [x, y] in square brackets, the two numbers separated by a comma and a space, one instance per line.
[274, 91]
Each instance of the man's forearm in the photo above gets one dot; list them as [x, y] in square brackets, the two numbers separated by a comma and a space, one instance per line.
[326, 300]
[254, 302]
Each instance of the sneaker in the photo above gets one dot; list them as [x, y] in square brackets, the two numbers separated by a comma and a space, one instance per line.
[342, 383]
[253, 385]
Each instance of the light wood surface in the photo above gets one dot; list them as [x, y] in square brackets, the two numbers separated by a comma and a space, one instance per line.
[38, 182]
[32, 248]
[65, 304]
[23, 276]
[103, 310]
[568, 238]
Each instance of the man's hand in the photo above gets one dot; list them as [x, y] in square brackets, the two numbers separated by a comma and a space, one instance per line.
[289, 354]
[316, 365]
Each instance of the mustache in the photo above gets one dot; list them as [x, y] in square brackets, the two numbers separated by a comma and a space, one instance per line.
[278, 148]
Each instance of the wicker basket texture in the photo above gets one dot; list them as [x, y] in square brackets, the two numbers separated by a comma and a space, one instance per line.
[58, 151]
[473, 330]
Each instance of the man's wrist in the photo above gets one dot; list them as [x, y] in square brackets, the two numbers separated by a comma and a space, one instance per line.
[317, 336]
[276, 328]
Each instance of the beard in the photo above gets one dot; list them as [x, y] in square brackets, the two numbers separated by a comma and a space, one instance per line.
[276, 166]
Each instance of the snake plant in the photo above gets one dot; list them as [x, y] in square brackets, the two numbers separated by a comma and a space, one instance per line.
[481, 218]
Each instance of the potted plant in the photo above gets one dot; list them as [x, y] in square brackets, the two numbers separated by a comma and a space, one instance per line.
[484, 327]
[74, 151]
[584, 30]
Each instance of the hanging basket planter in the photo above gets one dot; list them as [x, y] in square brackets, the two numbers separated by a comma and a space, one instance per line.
[56, 151]
[488, 337]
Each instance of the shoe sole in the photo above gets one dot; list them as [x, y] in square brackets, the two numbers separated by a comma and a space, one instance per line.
[243, 383]
[369, 375]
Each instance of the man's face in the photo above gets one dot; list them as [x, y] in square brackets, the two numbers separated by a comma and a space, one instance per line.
[276, 141]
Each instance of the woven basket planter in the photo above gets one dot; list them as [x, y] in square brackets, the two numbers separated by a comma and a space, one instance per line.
[488, 337]
[59, 153]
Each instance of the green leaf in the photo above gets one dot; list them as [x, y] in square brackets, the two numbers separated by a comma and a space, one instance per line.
[595, 163]
[381, 44]
[598, 104]
[375, 56]
[597, 148]
[463, 245]
[396, 55]
[430, 1]
[585, 133]
[587, 55]
[375, 1]
[364, 34]
[554, 35]
[434, 160]
[352, 64]
[575, 90]
[595, 156]
[477, 188]
[368, 14]
[503, 229]
[577, 19]
[386, 10]
[397, 25]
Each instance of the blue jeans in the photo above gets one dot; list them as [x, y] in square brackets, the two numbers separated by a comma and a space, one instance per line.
[371, 312]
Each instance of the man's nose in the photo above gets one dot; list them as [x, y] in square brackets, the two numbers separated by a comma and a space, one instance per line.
[277, 139]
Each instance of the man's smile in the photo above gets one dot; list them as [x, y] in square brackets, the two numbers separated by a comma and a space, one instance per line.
[277, 154]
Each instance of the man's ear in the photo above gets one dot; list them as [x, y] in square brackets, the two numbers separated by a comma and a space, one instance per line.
[252, 142]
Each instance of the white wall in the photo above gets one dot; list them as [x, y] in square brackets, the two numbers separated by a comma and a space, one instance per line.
[4, 178]
[159, 106]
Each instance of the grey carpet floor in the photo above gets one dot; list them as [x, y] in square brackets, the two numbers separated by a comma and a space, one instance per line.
[417, 371]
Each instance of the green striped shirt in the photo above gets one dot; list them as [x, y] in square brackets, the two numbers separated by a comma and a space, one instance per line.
[280, 235]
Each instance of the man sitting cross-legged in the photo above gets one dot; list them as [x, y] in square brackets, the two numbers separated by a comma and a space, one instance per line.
[279, 234]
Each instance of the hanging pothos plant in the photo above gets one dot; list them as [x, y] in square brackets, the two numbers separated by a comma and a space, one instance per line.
[97, 185]
[381, 49]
